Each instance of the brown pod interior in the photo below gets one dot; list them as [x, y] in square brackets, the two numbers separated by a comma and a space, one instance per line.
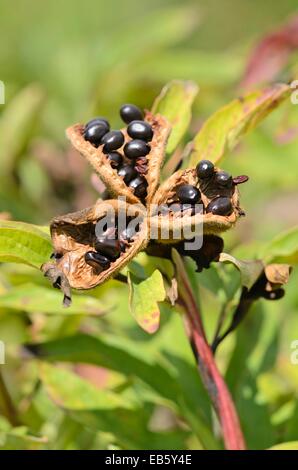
[74, 235]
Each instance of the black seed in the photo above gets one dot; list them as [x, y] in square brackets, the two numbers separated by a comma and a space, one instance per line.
[188, 194]
[98, 120]
[113, 140]
[128, 172]
[108, 247]
[274, 294]
[205, 169]
[220, 206]
[140, 130]
[139, 185]
[95, 132]
[136, 148]
[130, 112]
[115, 159]
[97, 261]
[224, 179]
[56, 255]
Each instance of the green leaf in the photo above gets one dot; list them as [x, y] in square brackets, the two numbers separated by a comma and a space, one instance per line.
[16, 124]
[283, 248]
[24, 243]
[174, 103]
[143, 300]
[126, 359]
[223, 129]
[249, 270]
[71, 392]
[32, 298]
[131, 428]
[18, 438]
[285, 446]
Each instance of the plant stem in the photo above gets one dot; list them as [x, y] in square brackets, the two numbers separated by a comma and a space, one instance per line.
[242, 309]
[211, 377]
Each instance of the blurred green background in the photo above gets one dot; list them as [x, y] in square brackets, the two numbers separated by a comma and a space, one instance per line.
[64, 62]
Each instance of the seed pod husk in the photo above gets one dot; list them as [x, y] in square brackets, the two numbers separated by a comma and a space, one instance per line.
[98, 159]
[212, 224]
[73, 235]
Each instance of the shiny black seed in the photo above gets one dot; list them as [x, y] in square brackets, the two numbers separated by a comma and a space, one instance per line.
[56, 255]
[98, 120]
[205, 169]
[97, 261]
[240, 179]
[95, 132]
[224, 179]
[128, 172]
[140, 130]
[274, 294]
[108, 247]
[220, 206]
[136, 148]
[115, 159]
[113, 140]
[130, 112]
[139, 185]
[188, 194]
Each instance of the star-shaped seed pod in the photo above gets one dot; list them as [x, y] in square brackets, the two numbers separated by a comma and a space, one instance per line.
[85, 256]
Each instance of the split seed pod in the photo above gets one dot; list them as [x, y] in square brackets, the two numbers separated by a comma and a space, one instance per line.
[74, 235]
[99, 161]
[212, 223]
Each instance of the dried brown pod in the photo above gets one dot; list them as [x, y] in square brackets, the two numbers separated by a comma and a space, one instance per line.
[74, 235]
[115, 184]
[212, 224]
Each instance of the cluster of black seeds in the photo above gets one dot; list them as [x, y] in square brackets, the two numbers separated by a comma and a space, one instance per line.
[130, 162]
[188, 196]
[109, 246]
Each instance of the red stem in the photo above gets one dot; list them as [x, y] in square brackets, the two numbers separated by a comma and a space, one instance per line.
[211, 377]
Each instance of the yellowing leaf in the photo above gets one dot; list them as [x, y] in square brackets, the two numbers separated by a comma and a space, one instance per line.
[223, 129]
[144, 298]
[249, 270]
[286, 446]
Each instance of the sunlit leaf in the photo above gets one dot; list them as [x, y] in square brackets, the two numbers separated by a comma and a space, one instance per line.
[249, 270]
[33, 298]
[283, 248]
[24, 243]
[222, 131]
[144, 298]
[16, 125]
[174, 103]
[70, 391]
[286, 446]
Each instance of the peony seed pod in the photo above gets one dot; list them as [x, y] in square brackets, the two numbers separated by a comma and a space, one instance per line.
[98, 159]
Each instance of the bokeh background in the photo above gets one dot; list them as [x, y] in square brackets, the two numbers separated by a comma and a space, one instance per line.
[65, 62]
